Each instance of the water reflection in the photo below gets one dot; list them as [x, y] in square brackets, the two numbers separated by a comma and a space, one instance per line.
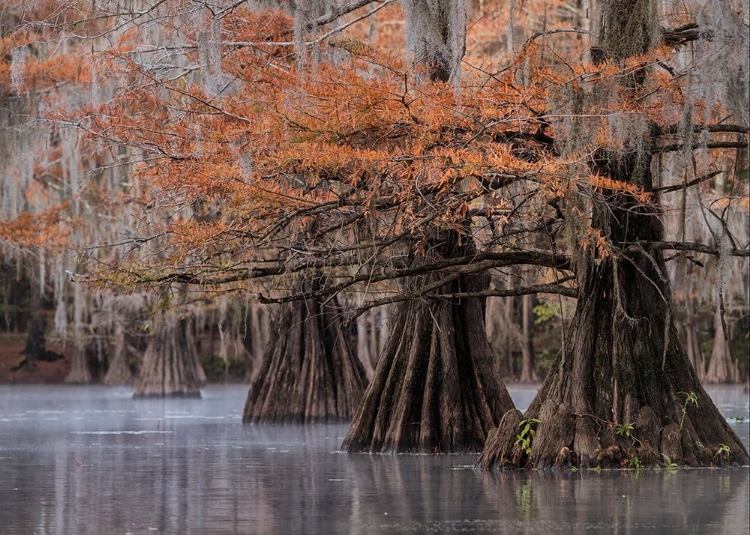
[92, 460]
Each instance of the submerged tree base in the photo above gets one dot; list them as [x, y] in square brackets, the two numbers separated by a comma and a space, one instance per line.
[310, 373]
[568, 441]
[625, 393]
[435, 388]
[170, 364]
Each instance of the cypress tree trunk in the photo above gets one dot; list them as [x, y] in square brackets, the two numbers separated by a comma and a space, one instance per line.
[79, 373]
[528, 374]
[35, 348]
[79, 363]
[691, 340]
[626, 366]
[119, 372]
[626, 387]
[310, 372]
[435, 387]
[721, 369]
[170, 364]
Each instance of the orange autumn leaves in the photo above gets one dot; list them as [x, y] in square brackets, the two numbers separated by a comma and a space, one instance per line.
[284, 156]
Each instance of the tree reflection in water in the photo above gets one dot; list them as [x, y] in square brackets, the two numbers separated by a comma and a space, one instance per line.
[92, 460]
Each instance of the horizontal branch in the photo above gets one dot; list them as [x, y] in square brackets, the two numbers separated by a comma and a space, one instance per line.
[698, 128]
[426, 292]
[464, 265]
[685, 246]
[714, 145]
[686, 185]
[515, 292]
[681, 35]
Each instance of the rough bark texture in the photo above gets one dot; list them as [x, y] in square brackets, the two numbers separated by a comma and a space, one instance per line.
[436, 34]
[692, 345]
[626, 382]
[119, 372]
[79, 373]
[435, 387]
[528, 374]
[626, 358]
[617, 369]
[310, 372]
[721, 369]
[170, 365]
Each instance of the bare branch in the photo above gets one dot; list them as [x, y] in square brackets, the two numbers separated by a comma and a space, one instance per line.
[686, 185]
[684, 246]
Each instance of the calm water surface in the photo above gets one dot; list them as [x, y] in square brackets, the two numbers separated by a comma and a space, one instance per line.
[93, 460]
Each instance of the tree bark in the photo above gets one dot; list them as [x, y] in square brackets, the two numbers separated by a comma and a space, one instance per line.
[35, 348]
[528, 374]
[626, 387]
[79, 373]
[435, 387]
[310, 372]
[721, 369]
[119, 372]
[692, 345]
[626, 366]
[79, 363]
[170, 364]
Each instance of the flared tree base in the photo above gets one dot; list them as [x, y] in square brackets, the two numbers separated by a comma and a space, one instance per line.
[624, 395]
[310, 373]
[435, 388]
[170, 365]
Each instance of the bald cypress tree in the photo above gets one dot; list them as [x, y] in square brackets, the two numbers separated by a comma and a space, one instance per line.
[624, 387]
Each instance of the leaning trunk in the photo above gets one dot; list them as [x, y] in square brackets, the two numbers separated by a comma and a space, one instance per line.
[170, 365]
[310, 372]
[435, 387]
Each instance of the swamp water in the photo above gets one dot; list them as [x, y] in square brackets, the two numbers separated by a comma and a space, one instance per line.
[91, 460]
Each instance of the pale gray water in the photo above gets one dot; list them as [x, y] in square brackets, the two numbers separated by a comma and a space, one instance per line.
[92, 460]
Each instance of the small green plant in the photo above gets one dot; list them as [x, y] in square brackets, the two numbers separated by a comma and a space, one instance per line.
[526, 435]
[626, 430]
[634, 463]
[723, 450]
[690, 397]
[545, 312]
[668, 463]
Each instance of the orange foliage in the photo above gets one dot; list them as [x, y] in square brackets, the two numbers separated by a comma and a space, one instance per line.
[241, 152]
